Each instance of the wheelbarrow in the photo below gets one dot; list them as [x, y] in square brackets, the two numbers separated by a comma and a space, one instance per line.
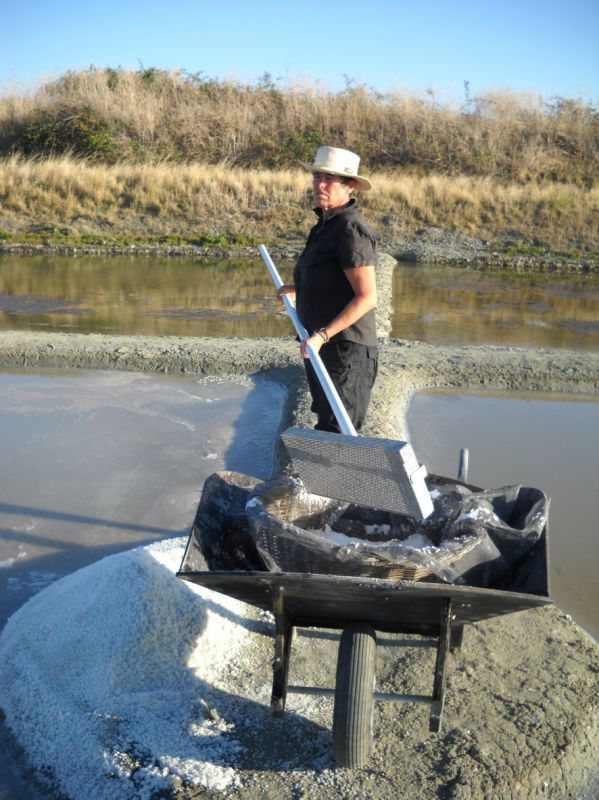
[358, 606]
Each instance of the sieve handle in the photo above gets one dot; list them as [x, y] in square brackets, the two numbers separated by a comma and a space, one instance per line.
[339, 411]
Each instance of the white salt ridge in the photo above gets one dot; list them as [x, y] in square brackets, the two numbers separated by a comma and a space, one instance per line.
[118, 660]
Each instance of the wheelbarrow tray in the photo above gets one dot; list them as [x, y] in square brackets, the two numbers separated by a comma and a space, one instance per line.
[332, 600]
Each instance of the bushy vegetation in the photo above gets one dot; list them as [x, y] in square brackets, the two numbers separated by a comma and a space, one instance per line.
[147, 116]
[117, 157]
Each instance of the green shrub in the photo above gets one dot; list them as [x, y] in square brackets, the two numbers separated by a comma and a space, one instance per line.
[226, 239]
[210, 240]
[301, 146]
[80, 132]
[92, 239]
[112, 77]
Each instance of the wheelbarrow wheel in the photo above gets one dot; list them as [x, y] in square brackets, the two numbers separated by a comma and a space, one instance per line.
[354, 695]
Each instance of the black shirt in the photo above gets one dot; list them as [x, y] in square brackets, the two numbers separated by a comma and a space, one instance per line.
[322, 289]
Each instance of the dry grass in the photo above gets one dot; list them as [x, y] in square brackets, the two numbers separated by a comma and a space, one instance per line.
[66, 186]
[151, 115]
[473, 204]
[152, 153]
[191, 199]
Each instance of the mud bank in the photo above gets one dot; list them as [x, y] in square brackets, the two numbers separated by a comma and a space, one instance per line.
[521, 708]
[405, 367]
[429, 245]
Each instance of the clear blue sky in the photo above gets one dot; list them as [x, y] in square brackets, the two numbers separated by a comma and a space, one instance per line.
[548, 47]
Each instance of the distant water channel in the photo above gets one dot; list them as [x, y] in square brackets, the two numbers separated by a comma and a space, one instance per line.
[182, 297]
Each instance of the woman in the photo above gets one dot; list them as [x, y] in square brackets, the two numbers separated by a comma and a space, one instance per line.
[334, 286]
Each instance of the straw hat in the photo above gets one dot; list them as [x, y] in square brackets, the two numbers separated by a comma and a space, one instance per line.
[337, 161]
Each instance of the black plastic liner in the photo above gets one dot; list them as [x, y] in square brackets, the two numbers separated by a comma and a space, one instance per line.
[477, 538]
[472, 537]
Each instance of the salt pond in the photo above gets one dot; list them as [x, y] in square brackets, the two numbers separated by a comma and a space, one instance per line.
[97, 462]
[94, 463]
[549, 443]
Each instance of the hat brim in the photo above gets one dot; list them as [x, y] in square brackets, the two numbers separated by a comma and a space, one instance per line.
[362, 183]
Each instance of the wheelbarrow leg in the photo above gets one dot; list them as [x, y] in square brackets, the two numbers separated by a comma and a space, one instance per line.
[439, 682]
[456, 638]
[463, 464]
[280, 665]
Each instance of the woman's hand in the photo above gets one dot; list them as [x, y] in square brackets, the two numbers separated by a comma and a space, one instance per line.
[286, 289]
[315, 341]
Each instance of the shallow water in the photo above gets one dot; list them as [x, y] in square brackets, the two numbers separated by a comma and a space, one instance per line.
[181, 297]
[549, 443]
[96, 462]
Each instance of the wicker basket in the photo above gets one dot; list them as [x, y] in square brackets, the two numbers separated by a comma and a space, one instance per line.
[296, 556]
[286, 523]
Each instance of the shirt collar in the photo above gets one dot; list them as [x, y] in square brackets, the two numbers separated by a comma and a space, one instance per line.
[348, 209]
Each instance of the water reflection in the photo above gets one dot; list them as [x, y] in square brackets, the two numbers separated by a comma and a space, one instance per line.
[154, 297]
[451, 305]
[182, 297]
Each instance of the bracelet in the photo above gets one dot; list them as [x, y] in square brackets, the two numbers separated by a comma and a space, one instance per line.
[322, 332]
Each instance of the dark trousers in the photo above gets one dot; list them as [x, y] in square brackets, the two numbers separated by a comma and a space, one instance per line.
[352, 368]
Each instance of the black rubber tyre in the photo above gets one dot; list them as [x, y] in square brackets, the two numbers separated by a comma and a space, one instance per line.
[354, 700]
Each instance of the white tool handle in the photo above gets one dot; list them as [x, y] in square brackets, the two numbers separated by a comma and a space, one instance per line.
[341, 415]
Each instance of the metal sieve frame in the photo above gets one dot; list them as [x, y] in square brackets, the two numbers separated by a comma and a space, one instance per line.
[379, 473]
